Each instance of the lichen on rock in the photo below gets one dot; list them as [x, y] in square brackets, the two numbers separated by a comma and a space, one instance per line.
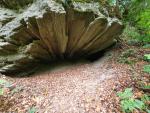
[47, 30]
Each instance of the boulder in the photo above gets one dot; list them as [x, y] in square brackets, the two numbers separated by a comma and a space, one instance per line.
[34, 31]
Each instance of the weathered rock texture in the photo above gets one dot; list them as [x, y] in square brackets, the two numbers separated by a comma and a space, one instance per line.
[46, 30]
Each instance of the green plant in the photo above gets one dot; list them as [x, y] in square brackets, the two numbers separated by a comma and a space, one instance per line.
[138, 16]
[131, 104]
[125, 60]
[128, 103]
[126, 94]
[16, 90]
[145, 98]
[146, 69]
[146, 87]
[32, 110]
[125, 57]
[147, 57]
[143, 23]
[3, 83]
[130, 32]
[1, 91]
[146, 46]
[128, 53]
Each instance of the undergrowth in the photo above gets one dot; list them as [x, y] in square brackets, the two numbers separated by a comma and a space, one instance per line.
[136, 51]
[129, 103]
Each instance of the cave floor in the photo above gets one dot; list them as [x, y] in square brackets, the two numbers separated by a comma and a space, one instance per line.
[85, 87]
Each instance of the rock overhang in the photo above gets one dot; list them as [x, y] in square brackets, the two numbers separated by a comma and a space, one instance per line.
[46, 30]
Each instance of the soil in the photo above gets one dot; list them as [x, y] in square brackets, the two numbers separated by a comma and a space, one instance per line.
[79, 87]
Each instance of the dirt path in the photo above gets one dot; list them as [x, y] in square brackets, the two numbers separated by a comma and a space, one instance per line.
[80, 88]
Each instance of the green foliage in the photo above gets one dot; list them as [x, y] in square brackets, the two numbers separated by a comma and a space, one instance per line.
[112, 2]
[128, 53]
[146, 46]
[126, 94]
[122, 4]
[131, 32]
[147, 57]
[146, 69]
[144, 38]
[125, 57]
[131, 35]
[136, 7]
[143, 20]
[139, 17]
[1, 91]
[129, 104]
[126, 61]
[145, 98]
[146, 87]
[136, 35]
[32, 110]
[16, 90]
[82, 0]
[3, 84]
[2, 81]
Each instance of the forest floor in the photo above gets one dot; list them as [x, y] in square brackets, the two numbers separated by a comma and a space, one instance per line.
[81, 87]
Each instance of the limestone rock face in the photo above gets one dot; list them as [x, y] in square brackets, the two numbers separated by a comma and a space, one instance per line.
[47, 30]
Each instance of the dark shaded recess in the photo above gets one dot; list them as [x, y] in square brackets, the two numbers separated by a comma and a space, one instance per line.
[96, 56]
